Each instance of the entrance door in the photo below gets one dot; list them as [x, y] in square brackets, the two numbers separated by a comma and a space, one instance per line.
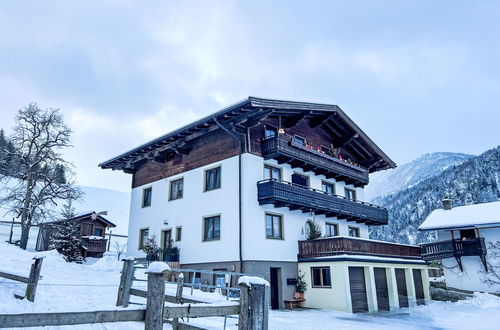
[166, 238]
[402, 290]
[381, 288]
[275, 293]
[300, 180]
[358, 290]
[419, 287]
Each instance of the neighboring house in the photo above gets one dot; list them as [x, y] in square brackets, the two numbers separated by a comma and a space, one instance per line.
[92, 230]
[468, 245]
[235, 190]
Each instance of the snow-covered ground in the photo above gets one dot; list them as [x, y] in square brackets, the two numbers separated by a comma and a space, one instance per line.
[93, 286]
[117, 204]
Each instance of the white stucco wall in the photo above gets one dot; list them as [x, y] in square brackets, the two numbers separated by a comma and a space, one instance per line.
[338, 297]
[255, 245]
[473, 278]
[189, 211]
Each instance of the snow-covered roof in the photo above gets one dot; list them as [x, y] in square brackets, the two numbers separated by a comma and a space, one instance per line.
[469, 216]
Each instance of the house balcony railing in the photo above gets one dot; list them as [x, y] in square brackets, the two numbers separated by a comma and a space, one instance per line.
[296, 197]
[94, 245]
[455, 249]
[334, 246]
[284, 150]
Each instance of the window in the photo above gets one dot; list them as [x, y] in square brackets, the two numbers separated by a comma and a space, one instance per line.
[350, 194]
[353, 231]
[274, 226]
[321, 277]
[328, 188]
[146, 196]
[178, 233]
[270, 131]
[299, 140]
[212, 179]
[301, 180]
[97, 231]
[467, 234]
[326, 150]
[176, 189]
[331, 229]
[143, 237]
[211, 228]
[271, 172]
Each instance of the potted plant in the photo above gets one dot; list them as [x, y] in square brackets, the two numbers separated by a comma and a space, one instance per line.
[171, 253]
[151, 249]
[300, 287]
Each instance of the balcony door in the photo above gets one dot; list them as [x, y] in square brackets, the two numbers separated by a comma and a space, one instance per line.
[301, 180]
[166, 238]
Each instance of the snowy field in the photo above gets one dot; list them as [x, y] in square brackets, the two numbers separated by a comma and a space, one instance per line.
[93, 286]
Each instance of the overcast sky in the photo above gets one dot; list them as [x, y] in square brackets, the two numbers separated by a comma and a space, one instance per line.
[417, 76]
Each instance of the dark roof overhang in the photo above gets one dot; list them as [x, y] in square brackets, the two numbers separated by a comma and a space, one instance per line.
[250, 112]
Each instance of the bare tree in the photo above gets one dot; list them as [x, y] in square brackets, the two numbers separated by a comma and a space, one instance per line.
[41, 177]
[119, 248]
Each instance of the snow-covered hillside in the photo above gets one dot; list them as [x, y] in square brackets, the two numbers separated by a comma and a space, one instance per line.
[407, 175]
[117, 204]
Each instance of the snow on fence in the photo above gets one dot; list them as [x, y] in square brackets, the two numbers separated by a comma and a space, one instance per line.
[31, 281]
[252, 308]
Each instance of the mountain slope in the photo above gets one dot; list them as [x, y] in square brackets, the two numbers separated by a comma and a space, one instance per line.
[387, 182]
[476, 180]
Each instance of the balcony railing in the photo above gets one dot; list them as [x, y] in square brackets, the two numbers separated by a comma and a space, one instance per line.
[355, 246]
[295, 197]
[455, 249]
[284, 150]
[94, 245]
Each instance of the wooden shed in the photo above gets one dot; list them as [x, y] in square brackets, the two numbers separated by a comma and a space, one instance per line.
[92, 232]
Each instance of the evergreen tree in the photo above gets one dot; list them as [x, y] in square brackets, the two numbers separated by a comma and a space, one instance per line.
[313, 228]
[68, 211]
[65, 238]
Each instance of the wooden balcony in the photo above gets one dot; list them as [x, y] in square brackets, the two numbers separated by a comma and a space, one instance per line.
[282, 149]
[355, 246]
[296, 197]
[94, 245]
[455, 249]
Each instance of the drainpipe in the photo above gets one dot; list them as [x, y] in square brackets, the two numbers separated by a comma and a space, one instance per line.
[239, 191]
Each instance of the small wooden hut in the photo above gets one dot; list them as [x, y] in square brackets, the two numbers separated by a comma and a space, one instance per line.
[92, 228]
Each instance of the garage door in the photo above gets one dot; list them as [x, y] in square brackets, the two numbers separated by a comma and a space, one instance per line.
[381, 288]
[358, 290]
[419, 287]
[402, 290]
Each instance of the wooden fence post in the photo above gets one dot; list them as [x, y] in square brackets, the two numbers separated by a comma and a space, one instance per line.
[155, 300]
[178, 299]
[35, 270]
[125, 282]
[254, 307]
[244, 308]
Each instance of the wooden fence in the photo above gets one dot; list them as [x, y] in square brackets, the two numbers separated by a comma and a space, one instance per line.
[252, 309]
[31, 281]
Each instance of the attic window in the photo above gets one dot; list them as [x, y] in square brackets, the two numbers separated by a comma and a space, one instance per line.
[299, 140]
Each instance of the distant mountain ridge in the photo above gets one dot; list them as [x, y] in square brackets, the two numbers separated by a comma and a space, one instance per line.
[475, 180]
[407, 175]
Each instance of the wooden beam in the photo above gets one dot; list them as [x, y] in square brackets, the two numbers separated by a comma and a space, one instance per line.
[342, 143]
[320, 121]
[292, 121]
[70, 318]
[199, 311]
